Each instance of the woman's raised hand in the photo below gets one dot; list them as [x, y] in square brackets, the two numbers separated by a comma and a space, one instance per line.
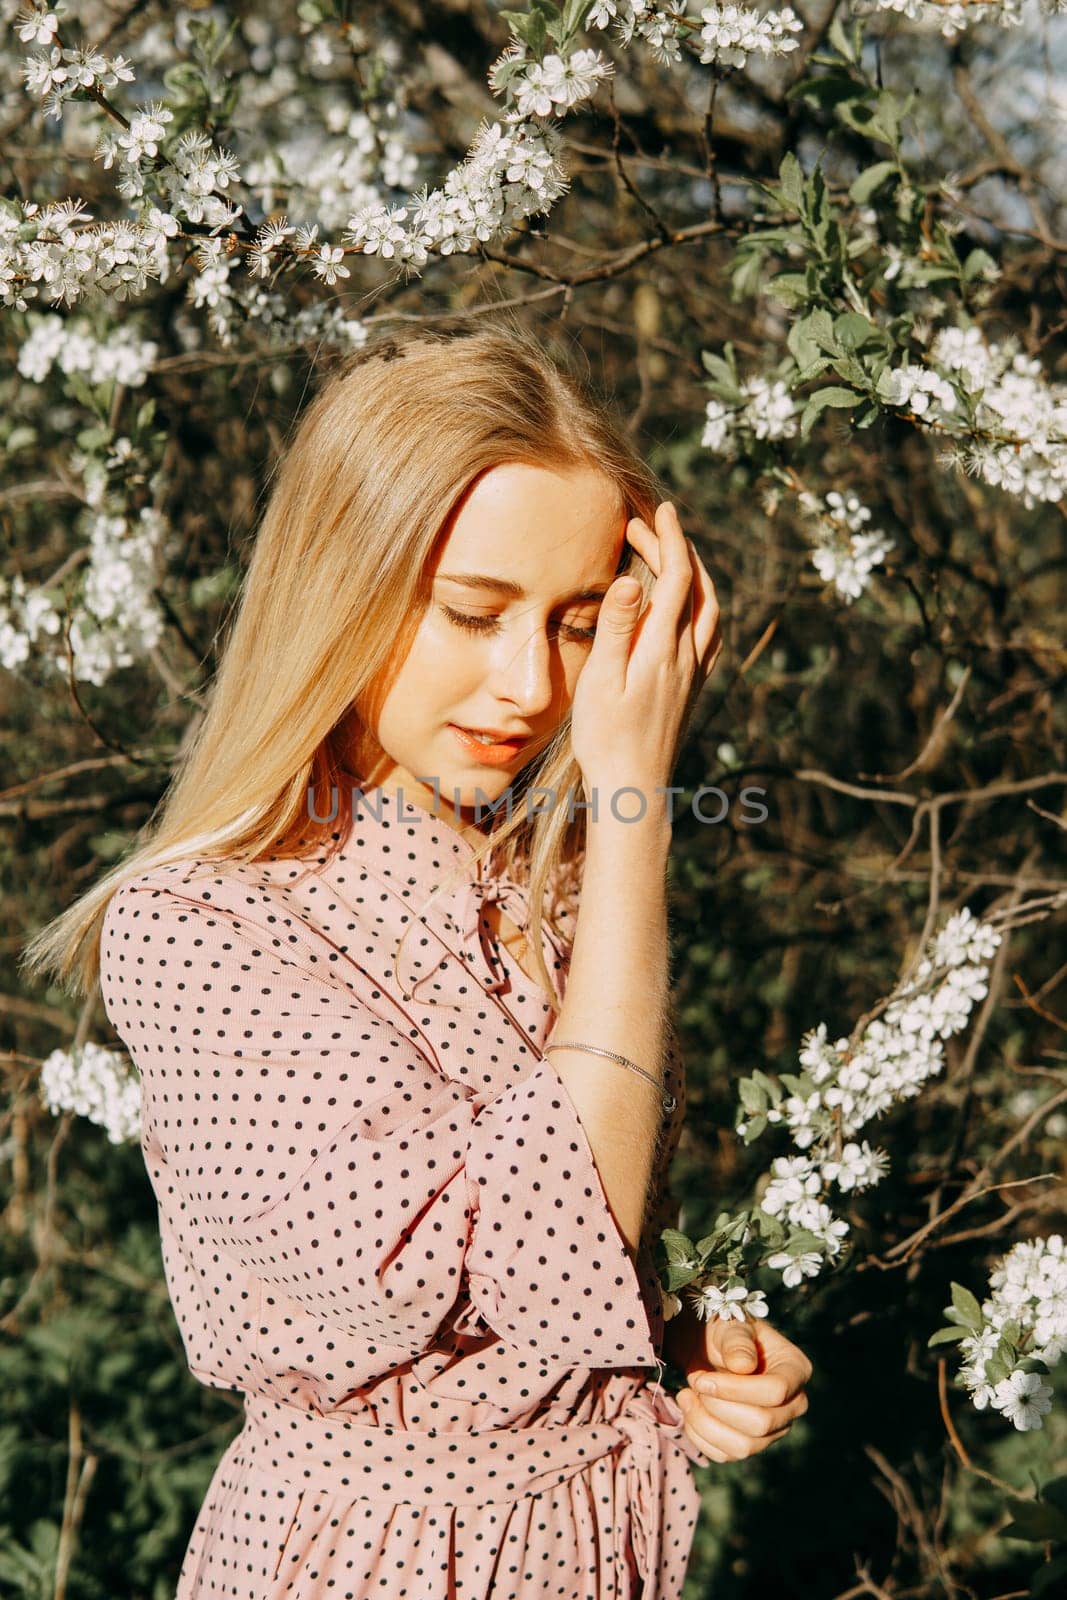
[648, 663]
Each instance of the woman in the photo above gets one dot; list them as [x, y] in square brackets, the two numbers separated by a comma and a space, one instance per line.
[405, 1107]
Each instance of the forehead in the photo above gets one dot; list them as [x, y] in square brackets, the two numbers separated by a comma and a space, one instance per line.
[537, 526]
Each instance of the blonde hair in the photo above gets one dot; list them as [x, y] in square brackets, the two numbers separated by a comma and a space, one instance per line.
[334, 591]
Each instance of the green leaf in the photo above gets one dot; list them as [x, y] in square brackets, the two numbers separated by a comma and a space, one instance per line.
[745, 277]
[852, 370]
[803, 1239]
[967, 1306]
[573, 16]
[846, 47]
[1047, 1579]
[887, 118]
[792, 186]
[872, 179]
[997, 1369]
[724, 371]
[20, 437]
[806, 374]
[832, 396]
[818, 327]
[678, 1276]
[770, 1229]
[1035, 1519]
[853, 331]
[1055, 1492]
[754, 1128]
[790, 288]
[818, 203]
[679, 1246]
[828, 89]
[977, 264]
[90, 439]
[774, 1090]
[945, 1336]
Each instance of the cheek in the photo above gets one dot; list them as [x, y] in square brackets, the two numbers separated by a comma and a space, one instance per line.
[574, 661]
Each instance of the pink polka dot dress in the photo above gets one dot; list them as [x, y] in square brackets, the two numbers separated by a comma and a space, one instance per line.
[382, 1222]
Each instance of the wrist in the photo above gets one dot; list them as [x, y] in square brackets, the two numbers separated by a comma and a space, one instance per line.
[628, 815]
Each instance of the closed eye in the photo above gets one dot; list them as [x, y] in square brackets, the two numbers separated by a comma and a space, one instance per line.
[481, 624]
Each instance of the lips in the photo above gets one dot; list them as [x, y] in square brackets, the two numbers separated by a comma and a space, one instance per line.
[498, 753]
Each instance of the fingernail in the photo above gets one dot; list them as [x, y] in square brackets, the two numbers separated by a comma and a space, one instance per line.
[705, 1386]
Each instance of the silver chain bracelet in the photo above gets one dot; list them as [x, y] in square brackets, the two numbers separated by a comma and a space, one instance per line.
[668, 1100]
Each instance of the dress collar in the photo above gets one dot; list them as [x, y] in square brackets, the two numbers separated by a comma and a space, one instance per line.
[411, 853]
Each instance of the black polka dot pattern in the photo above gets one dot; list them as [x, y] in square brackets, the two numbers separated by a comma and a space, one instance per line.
[382, 1222]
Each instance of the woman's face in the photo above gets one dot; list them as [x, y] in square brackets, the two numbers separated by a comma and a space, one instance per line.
[502, 655]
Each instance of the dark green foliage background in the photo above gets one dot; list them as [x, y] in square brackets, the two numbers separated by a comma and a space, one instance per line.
[809, 916]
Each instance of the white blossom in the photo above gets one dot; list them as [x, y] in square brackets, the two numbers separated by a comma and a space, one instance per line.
[329, 263]
[25, 615]
[795, 1268]
[732, 33]
[795, 1178]
[953, 19]
[558, 81]
[845, 552]
[147, 128]
[737, 1302]
[858, 1166]
[1029, 1290]
[766, 411]
[1024, 415]
[1023, 1398]
[37, 25]
[70, 344]
[57, 252]
[918, 389]
[96, 1083]
[377, 228]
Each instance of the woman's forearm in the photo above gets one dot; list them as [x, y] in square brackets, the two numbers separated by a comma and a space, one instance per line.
[617, 996]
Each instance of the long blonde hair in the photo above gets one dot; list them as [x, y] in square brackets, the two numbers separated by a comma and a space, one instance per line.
[333, 594]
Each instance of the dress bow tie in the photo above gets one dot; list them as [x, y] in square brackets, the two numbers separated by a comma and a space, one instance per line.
[473, 897]
[458, 928]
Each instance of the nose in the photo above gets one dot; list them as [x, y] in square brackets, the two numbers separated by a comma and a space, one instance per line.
[530, 673]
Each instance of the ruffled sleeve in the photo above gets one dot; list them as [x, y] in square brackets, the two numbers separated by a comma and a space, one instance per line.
[316, 1145]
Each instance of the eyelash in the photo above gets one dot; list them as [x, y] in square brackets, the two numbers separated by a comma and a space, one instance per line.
[463, 619]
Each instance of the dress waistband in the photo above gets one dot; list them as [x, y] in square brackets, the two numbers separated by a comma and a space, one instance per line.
[401, 1465]
[333, 1455]
[405, 1466]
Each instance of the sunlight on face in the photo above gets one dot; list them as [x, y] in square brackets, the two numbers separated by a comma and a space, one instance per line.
[504, 657]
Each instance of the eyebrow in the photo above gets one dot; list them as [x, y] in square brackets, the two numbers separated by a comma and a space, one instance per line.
[477, 580]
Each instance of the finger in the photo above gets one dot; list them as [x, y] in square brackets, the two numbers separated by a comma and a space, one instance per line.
[781, 1354]
[704, 612]
[645, 542]
[707, 635]
[615, 626]
[754, 1389]
[754, 1421]
[775, 1386]
[652, 540]
[709, 1433]
[732, 1345]
[667, 620]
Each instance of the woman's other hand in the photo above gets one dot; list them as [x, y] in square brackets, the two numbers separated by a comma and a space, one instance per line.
[648, 662]
[759, 1377]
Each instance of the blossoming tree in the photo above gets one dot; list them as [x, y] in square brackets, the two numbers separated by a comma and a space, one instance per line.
[818, 254]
